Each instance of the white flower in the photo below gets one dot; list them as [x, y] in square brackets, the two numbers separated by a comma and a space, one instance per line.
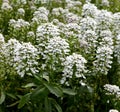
[72, 18]
[105, 3]
[117, 48]
[74, 66]
[106, 38]
[59, 11]
[22, 57]
[43, 10]
[88, 23]
[57, 46]
[89, 10]
[113, 110]
[47, 30]
[6, 6]
[89, 39]
[30, 34]
[20, 23]
[116, 25]
[104, 20]
[21, 11]
[55, 51]
[22, 2]
[112, 89]
[40, 16]
[26, 60]
[103, 59]
[1, 39]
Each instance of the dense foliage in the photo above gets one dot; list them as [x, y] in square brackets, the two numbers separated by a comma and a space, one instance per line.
[59, 55]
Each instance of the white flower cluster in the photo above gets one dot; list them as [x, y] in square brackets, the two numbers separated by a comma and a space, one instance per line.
[112, 90]
[72, 18]
[116, 25]
[105, 3]
[87, 23]
[6, 6]
[23, 2]
[41, 1]
[90, 37]
[113, 110]
[71, 30]
[89, 10]
[57, 46]
[117, 48]
[72, 4]
[21, 11]
[26, 60]
[46, 31]
[1, 39]
[59, 11]
[2, 42]
[55, 51]
[103, 61]
[40, 16]
[104, 52]
[19, 24]
[74, 67]
[22, 57]
[106, 38]
[104, 20]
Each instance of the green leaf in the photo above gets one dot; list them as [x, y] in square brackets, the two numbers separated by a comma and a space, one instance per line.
[56, 90]
[24, 100]
[45, 77]
[69, 91]
[48, 107]
[11, 95]
[2, 98]
[29, 85]
[38, 91]
[57, 106]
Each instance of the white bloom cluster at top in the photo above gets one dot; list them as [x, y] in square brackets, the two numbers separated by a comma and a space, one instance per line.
[27, 60]
[55, 51]
[57, 46]
[44, 33]
[21, 11]
[105, 3]
[89, 10]
[104, 20]
[87, 23]
[47, 30]
[2, 42]
[72, 18]
[1, 39]
[113, 110]
[6, 6]
[116, 25]
[112, 90]
[72, 4]
[90, 37]
[19, 24]
[117, 48]
[103, 61]
[40, 16]
[23, 2]
[22, 57]
[59, 11]
[71, 30]
[74, 67]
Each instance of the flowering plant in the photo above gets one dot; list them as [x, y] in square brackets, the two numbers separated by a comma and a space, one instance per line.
[59, 55]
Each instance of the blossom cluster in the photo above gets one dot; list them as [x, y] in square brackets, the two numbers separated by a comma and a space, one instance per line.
[21, 57]
[112, 90]
[74, 67]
